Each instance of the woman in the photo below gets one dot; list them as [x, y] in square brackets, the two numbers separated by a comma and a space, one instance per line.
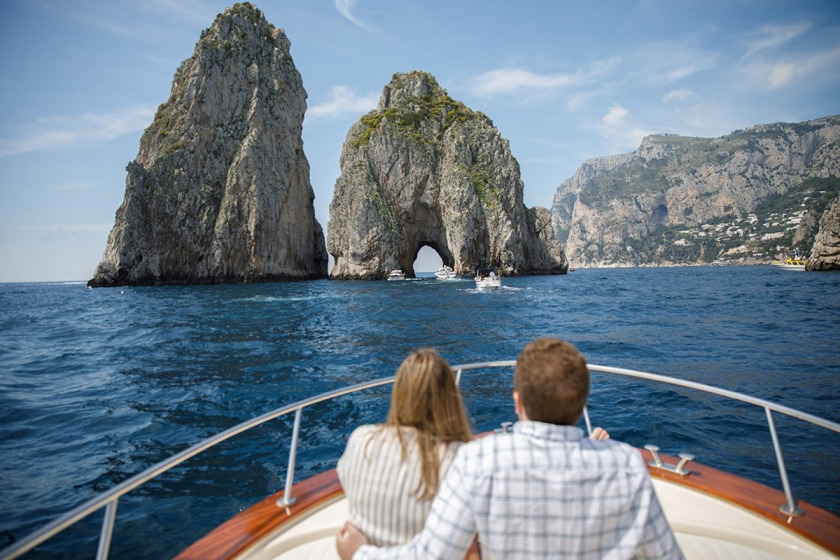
[390, 472]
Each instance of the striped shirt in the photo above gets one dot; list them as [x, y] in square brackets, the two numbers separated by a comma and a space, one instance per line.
[381, 488]
[543, 491]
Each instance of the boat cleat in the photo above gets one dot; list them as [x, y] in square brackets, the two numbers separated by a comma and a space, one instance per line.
[678, 468]
[505, 429]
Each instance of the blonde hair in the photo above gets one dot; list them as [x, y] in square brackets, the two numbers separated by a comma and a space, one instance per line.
[425, 397]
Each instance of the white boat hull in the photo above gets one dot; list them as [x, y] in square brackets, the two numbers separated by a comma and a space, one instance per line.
[494, 282]
[445, 273]
[705, 527]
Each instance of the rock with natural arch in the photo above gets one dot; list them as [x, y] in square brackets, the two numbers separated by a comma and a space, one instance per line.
[425, 170]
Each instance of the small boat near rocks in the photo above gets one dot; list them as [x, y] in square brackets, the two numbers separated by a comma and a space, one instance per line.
[445, 273]
[487, 278]
[793, 263]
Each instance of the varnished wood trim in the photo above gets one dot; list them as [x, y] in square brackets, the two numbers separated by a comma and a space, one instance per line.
[236, 535]
[817, 525]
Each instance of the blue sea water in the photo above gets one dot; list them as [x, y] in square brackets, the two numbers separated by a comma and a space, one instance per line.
[97, 385]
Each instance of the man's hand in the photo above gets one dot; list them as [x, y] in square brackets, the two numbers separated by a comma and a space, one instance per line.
[599, 433]
[348, 540]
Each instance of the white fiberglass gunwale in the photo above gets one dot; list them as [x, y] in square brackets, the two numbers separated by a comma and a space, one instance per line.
[109, 499]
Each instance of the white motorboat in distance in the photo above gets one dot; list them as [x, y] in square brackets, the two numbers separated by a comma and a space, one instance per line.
[396, 275]
[445, 273]
[487, 278]
[713, 513]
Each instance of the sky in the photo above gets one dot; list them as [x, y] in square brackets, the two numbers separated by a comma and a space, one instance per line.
[563, 81]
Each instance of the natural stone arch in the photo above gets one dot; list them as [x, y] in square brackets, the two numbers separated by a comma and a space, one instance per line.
[423, 169]
[443, 253]
[427, 258]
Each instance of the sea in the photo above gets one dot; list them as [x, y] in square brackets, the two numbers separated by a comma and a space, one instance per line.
[96, 385]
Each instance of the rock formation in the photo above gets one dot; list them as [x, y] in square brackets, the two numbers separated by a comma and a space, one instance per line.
[826, 252]
[220, 188]
[748, 197]
[425, 170]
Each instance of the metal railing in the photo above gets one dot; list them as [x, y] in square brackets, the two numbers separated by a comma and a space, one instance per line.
[109, 499]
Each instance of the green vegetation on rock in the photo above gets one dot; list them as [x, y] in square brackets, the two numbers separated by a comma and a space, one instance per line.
[384, 210]
[425, 118]
[487, 193]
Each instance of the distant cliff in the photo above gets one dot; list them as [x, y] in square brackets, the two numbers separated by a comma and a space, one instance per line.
[425, 170]
[220, 188]
[748, 197]
[826, 252]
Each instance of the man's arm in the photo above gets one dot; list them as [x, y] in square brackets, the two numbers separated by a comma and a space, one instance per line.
[448, 533]
[349, 540]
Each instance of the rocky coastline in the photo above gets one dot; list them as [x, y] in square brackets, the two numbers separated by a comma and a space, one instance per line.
[750, 197]
[220, 189]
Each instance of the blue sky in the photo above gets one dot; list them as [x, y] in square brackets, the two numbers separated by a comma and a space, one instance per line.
[563, 81]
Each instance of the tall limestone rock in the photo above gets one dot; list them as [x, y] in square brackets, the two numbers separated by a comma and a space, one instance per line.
[424, 170]
[748, 197]
[826, 252]
[220, 188]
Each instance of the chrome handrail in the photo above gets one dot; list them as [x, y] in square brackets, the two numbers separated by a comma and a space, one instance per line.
[110, 498]
[788, 508]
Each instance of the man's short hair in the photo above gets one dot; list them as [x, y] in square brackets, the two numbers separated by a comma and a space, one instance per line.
[552, 381]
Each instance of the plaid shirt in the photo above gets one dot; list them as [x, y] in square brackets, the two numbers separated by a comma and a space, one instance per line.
[543, 491]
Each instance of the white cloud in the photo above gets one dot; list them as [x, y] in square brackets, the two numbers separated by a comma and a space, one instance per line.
[766, 66]
[771, 37]
[669, 62]
[516, 80]
[623, 139]
[819, 65]
[345, 8]
[343, 101]
[50, 132]
[678, 95]
[576, 101]
[616, 115]
[653, 64]
[509, 80]
[805, 70]
[620, 135]
[781, 74]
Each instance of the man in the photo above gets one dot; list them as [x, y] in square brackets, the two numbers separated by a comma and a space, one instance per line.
[544, 490]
